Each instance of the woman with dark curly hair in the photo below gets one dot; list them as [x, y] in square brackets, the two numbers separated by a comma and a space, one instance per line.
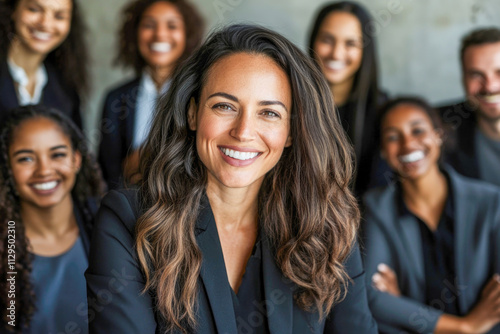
[49, 183]
[243, 220]
[43, 57]
[156, 36]
[341, 42]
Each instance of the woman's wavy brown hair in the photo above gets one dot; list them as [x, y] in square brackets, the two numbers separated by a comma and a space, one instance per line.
[128, 48]
[70, 59]
[88, 184]
[305, 206]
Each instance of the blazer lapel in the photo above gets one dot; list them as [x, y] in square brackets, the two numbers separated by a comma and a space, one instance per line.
[278, 293]
[8, 100]
[412, 243]
[462, 212]
[213, 271]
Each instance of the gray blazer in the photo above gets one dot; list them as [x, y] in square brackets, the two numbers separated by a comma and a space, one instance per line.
[115, 282]
[397, 243]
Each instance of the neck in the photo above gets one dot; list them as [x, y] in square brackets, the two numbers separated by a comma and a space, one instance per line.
[491, 129]
[160, 75]
[29, 61]
[342, 91]
[429, 189]
[234, 208]
[46, 222]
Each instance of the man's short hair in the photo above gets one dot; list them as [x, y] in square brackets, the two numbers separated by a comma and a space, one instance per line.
[479, 37]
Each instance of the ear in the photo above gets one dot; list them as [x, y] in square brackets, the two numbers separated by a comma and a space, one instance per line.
[192, 115]
[289, 141]
[440, 134]
[78, 161]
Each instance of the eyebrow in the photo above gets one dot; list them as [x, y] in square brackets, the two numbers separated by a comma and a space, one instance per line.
[261, 103]
[31, 151]
[415, 122]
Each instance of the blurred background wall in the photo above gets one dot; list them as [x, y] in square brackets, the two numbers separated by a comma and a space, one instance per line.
[418, 40]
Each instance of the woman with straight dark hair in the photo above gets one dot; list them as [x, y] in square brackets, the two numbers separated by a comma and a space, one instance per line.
[243, 220]
[156, 36]
[50, 185]
[342, 43]
[43, 56]
[432, 239]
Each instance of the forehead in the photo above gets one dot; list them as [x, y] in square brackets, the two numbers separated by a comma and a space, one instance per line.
[249, 74]
[405, 114]
[55, 5]
[162, 9]
[38, 133]
[341, 23]
[484, 55]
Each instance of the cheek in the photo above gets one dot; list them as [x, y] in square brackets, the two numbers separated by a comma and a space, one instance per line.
[356, 57]
[322, 49]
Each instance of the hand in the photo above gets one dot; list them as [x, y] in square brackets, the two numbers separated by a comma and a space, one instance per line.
[386, 280]
[486, 314]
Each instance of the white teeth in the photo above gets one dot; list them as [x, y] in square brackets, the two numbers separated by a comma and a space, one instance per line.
[42, 35]
[412, 157]
[45, 186]
[161, 47]
[335, 64]
[493, 98]
[239, 155]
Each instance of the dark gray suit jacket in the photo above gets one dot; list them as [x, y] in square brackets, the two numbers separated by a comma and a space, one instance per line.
[397, 243]
[115, 282]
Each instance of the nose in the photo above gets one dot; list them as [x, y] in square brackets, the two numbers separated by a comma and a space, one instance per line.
[244, 127]
[45, 20]
[338, 51]
[44, 167]
[161, 31]
[492, 83]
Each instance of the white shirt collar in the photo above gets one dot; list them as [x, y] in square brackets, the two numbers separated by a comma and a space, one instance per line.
[21, 78]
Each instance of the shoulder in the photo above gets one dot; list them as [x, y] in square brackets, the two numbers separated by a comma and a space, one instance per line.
[474, 189]
[124, 204]
[380, 198]
[127, 87]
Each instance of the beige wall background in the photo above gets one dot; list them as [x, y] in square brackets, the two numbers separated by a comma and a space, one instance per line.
[417, 40]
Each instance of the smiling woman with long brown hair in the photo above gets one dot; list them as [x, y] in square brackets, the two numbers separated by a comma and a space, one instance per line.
[243, 221]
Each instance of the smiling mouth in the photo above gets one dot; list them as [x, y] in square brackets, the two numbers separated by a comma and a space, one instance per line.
[412, 157]
[238, 155]
[335, 65]
[43, 36]
[45, 186]
[161, 47]
[489, 98]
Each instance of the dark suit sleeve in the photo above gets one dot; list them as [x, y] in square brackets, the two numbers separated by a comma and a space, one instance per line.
[114, 280]
[352, 315]
[111, 153]
[393, 314]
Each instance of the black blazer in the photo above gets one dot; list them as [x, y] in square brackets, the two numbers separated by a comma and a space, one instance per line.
[117, 131]
[459, 121]
[54, 95]
[115, 282]
[397, 243]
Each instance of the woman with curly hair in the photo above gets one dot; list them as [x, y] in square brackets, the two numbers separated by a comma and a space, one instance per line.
[49, 183]
[43, 57]
[243, 221]
[156, 36]
[341, 42]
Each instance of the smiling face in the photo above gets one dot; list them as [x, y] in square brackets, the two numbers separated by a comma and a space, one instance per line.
[409, 142]
[43, 163]
[242, 122]
[42, 25]
[161, 35]
[339, 47]
[481, 71]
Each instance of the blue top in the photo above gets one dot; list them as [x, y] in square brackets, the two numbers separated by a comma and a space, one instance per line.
[60, 290]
